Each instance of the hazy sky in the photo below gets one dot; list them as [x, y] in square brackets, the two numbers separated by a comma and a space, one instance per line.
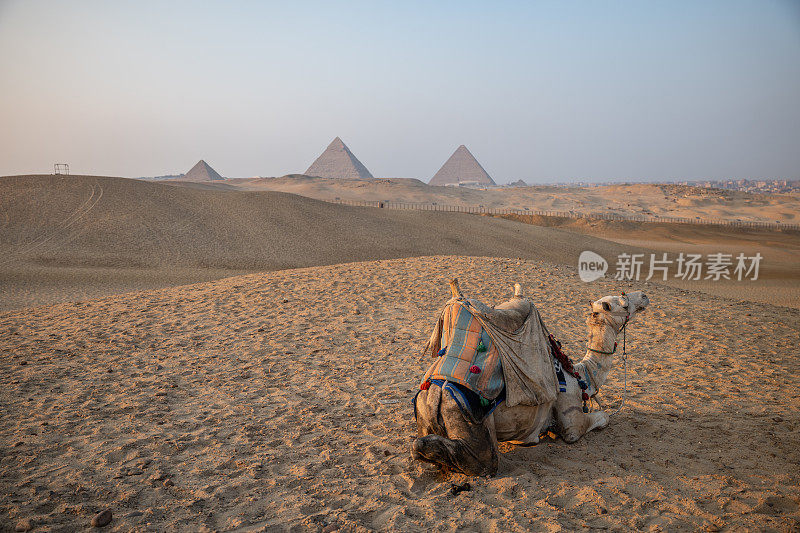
[540, 91]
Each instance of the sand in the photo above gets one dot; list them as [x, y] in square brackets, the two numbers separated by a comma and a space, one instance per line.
[68, 237]
[779, 279]
[259, 377]
[65, 238]
[280, 401]
[634, 199]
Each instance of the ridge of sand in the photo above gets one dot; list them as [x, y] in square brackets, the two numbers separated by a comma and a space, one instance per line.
[281, 401]
[66, 238]
[73, 237]
[626, 200]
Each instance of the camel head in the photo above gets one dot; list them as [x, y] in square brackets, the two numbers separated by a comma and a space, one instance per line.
[616, 309]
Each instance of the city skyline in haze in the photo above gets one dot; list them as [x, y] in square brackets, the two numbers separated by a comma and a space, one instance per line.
[542, 91]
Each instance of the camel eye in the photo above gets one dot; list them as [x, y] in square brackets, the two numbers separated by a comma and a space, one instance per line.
[606, 306]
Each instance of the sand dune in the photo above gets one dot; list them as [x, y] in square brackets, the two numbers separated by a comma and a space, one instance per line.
[779, 278]
[281, 402]
[636, 199]
[90, 236]
[78, 237]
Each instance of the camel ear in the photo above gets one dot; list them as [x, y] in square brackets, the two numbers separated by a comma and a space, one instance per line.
[606, 307]
[518, 290]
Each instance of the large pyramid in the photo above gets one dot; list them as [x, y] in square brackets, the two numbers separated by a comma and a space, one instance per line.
[460, 168]
[337, 161]
[202, 172]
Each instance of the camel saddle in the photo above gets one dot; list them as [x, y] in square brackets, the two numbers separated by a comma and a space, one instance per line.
[488, 349]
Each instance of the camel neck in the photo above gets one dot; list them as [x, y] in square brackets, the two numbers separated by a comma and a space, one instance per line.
[602, 338]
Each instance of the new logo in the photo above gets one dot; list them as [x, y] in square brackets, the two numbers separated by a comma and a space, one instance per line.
[591, 266]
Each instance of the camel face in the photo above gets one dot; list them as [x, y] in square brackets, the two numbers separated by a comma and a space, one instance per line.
[617, 308]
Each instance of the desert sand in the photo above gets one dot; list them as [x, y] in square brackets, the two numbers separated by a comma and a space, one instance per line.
[202, 357]
[77, 237]
[281, 401]
[67, 238]
[666, 200]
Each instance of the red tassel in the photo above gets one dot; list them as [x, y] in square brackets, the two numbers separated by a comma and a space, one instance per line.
[585, 397]
[425, 385]
[475, 369]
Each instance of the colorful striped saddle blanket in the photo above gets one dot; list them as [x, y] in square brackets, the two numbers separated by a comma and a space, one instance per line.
[469, 357]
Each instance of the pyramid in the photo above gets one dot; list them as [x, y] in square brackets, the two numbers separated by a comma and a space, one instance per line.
[461, 167]
[202, 172]
[337, 161]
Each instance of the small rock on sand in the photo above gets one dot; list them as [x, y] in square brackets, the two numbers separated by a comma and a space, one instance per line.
[103, 518]
[24, 525]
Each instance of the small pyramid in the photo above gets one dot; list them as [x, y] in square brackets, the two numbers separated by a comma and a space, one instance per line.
[202, 172]
[337, 161]
[460, 168]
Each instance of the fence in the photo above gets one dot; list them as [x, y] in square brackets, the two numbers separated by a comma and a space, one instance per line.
[481, 210]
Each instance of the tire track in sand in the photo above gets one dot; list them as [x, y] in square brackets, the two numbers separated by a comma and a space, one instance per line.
[45, 238]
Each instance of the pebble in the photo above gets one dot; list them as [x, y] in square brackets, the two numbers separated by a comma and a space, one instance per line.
[23, 363]
[103, 518]
[24, 525]
[134, 514]
[330, 528]
[456, 489]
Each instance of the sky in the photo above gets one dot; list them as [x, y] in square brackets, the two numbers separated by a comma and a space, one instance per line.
[540, 91]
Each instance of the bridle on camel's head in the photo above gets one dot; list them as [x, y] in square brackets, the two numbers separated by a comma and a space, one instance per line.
[623, 329]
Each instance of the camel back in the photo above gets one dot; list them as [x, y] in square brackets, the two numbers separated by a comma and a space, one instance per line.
[517, 352]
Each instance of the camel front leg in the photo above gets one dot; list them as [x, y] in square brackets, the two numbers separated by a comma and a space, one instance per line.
[573, 423]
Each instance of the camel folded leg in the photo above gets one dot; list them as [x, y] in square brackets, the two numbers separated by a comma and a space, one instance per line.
[447, 438]
[574, 423]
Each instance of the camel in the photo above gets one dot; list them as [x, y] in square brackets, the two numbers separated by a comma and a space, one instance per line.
[449, 438]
